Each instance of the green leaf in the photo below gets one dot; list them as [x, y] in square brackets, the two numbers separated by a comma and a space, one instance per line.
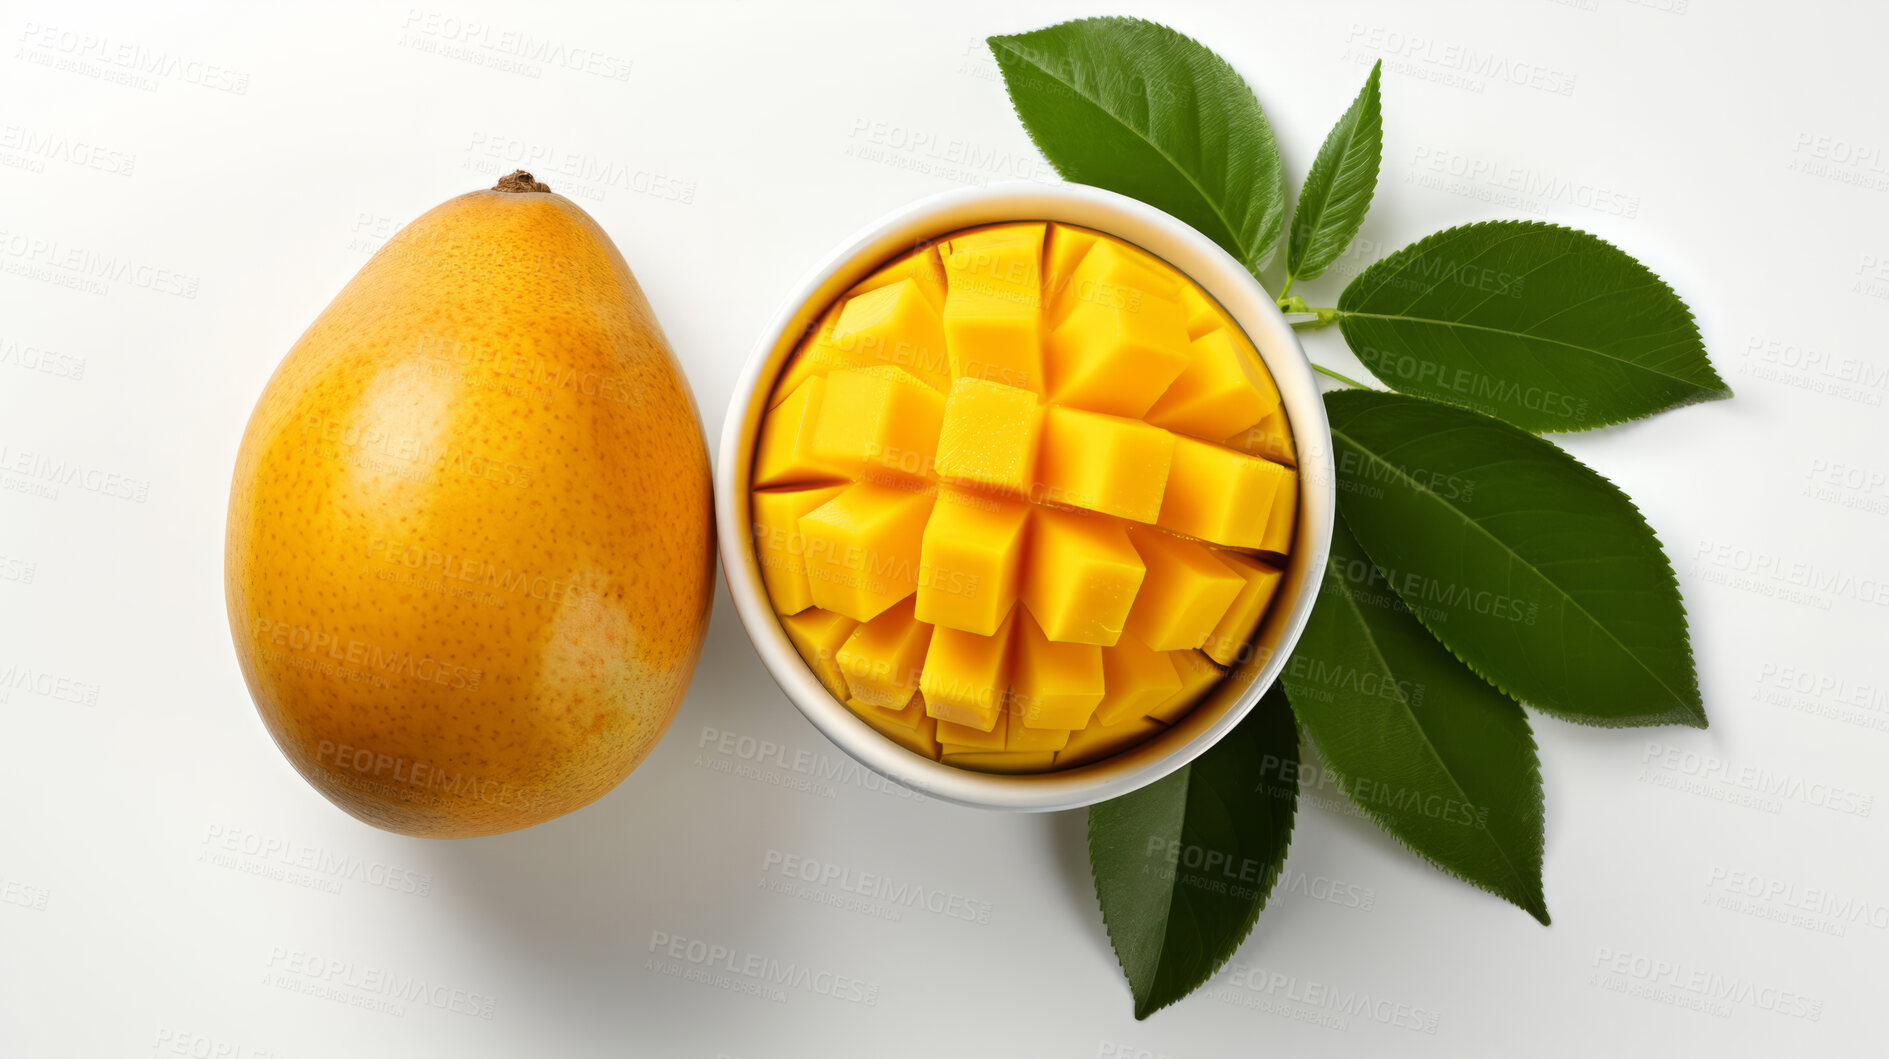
[1137, 108]
[1338, 190]
[1536, 571]
[1430, 751]
[1546, 327]
[1183, 866]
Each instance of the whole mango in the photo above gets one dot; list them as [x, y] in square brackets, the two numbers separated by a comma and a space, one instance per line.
[469, 555]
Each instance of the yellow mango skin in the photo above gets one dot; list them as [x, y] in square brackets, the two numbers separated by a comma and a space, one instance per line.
[470, 546]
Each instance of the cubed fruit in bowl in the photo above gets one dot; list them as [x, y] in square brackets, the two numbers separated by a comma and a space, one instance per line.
[1023, 495]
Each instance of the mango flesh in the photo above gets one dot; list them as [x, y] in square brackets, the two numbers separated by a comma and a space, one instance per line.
[1070, 510]
[469, 552]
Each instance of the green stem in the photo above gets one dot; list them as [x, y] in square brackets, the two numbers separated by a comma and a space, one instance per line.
[1287, 289]
[1326, 317]
[1346, 379]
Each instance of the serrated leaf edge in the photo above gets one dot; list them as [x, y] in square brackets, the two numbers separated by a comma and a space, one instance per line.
[1095, 883]
[1538, 909]
[1348, 123]
[1539, 847]
[1265, 241]
[1679, 717]
[1246, 929]
[1699, 396]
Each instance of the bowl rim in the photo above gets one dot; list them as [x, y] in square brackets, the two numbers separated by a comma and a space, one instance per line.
[1194, 255]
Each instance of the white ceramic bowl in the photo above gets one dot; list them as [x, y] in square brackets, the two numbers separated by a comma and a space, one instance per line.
[1221, 276]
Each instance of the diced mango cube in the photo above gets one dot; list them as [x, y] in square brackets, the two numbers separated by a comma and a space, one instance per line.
[1053, 685]
[1138, 680]
[993, 317]
[1024, 736]
[954, 737]
[910, 715]
[1116, 274]
[1063, 250]
[910, 727]
[1219, 495]
[1106, 740]
[1223, 390]
[1082, 576]
[818, 635]
[879, 321]
[921, 266]
[781, 548]
[1198, 677]
[862, 548]
[1116, 359]
[1186, 592]
[1227, 645]
[1203, 313]
[878, 419]
[1103, 463]
[990, 436]
[994, 235]
[784, 455]
[898, 325]
[1284, 517]
[969, 560]
[993, 336]
[884, 657]
[1002, 761]
[1269, 439]
[1004, 259]
[813, 357]
[967, 676]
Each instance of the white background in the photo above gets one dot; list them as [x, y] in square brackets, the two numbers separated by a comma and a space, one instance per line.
[150, 899]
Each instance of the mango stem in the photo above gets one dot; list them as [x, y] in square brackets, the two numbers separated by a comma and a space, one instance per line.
[520, 181]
